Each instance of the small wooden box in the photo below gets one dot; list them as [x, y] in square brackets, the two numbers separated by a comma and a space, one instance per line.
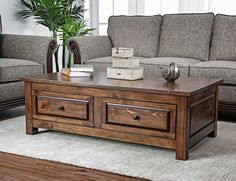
[125, 62]
[121, 52]
[125, 73]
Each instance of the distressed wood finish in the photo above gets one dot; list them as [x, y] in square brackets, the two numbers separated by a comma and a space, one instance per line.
[202, 113]
[138, 116]
[136, 113]
[29, 110]
[62, 107]
[149, 111]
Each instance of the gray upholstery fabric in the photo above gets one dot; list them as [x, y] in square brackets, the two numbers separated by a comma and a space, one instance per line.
[138, 32]
[101, 63]
[215, 69]
[104, 60]
[186, 35]
[34, 48]
[11, 90]
[227, 93]
[13, 69]
[224, 38]
[0, 25]
[182, 62]
[0, 28]
[93, 46]
[153, 65]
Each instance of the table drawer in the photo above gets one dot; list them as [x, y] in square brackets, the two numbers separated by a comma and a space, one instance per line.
[65, 108]
[62, 107]
[138, 116]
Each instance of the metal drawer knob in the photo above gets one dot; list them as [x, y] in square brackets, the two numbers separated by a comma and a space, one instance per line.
[136, 118]
[61, 108]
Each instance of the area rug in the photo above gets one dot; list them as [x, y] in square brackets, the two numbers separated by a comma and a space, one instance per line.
[213, 159]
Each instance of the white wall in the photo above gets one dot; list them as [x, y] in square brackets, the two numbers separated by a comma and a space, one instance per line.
[14, 25]
[11, 24]
[193, 6]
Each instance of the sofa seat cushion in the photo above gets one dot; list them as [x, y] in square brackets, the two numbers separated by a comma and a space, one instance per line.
[224, 38]
[153, 65]
[101, 60]
[139, 32]
[186, 35]
[225, 70]
[11, 90]
[101, 63]
[227, 94]
[13, 69]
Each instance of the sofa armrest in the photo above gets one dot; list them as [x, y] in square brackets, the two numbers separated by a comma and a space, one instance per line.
[35, 48]
[88, 47]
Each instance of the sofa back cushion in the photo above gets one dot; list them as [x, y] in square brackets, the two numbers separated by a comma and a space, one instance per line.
[224, 38]
[0, 32]
[0, 25]
[139, 32]
[186, 35]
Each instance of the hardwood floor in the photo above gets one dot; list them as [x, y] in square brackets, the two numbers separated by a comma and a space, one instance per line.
[17, 168]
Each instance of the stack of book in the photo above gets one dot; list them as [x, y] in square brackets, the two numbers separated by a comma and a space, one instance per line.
[124, 65]
[78, 70]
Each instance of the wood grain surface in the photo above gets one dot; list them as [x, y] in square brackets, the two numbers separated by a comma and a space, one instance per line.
[149, 111]
[184, 86]
[21, 168]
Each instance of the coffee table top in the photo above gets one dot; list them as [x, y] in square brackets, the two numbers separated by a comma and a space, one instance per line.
[184, 86]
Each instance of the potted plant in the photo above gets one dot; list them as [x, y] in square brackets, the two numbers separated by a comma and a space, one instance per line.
[61, 17]
[72, 28]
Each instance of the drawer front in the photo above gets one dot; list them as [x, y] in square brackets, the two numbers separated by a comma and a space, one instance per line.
[139, 117]
[62, 107]
[145, 117]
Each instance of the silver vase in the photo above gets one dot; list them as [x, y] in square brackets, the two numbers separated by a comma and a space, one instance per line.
[171, 73]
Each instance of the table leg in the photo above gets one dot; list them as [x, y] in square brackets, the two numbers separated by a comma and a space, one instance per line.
[182, 132]
[31, 130]
[28, 110]
[214, 133]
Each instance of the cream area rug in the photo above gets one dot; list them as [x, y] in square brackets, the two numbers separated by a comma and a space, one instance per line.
[214, 159]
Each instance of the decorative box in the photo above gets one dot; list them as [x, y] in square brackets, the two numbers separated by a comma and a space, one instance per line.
[125, 73]
[125, 62]
[120, 52]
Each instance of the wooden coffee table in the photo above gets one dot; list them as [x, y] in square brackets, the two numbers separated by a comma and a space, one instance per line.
[149, 111]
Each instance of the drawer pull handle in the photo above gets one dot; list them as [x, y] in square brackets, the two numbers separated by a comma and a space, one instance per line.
[136, 118]
[61, 108]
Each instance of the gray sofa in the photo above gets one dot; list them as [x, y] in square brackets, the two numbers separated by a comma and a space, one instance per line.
[202, 44]
[21, 56]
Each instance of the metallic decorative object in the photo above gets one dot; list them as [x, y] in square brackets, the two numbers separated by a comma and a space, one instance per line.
[171, 73]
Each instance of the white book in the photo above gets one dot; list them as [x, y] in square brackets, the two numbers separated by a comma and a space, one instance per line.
[68, 73]
[81, 68]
